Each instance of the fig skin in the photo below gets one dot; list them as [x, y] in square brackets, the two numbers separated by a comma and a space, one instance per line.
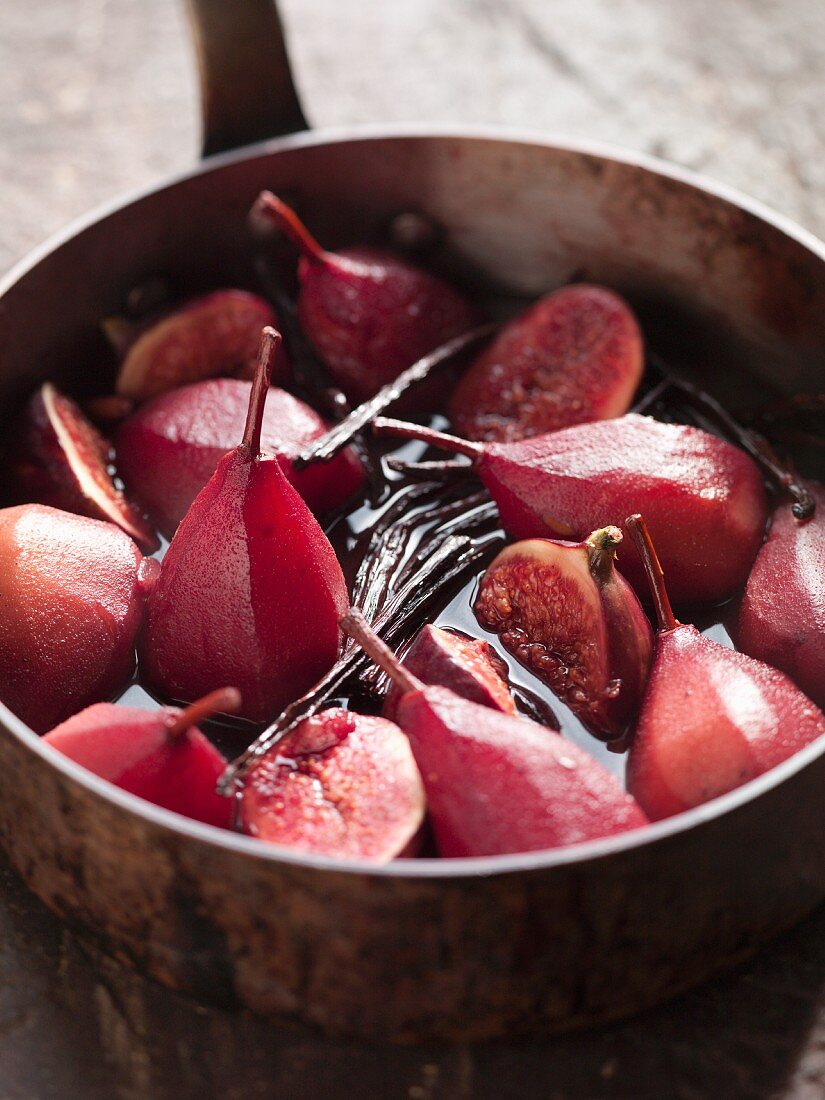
[171, 446]
[575, 356]
[566, 613]
[72, 592]
[781, 618]
[60, 459]
[215, 334]
[135, 750]
[342, 785]
[468, 666]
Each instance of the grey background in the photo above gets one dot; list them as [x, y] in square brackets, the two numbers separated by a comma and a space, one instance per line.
[97, 97]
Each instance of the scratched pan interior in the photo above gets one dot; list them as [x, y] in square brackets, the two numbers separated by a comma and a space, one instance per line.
[469, 948]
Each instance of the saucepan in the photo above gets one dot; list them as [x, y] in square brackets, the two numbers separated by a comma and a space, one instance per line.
[422, 948]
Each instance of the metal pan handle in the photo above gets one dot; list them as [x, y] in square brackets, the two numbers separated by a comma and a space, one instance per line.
[247, 91]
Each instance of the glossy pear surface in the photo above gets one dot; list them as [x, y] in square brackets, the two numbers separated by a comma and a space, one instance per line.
[781, 617]
[134, 750]
[497, 784]
[250, 593]
[71, 598]
[711, 720]
[170, 447]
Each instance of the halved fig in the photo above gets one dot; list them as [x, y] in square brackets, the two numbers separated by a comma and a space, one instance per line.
[563, 611]
[217, 334]
[341, 784]
[573, 357]
[467, 666]
[59, 458]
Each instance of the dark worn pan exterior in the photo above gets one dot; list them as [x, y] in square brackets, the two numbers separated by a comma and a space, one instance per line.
[468, 948]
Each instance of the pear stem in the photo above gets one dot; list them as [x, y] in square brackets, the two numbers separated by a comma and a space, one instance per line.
[653, 568]
[273, 209]
[383, 425]
[270, 342]
[356, 626]
[227, 700]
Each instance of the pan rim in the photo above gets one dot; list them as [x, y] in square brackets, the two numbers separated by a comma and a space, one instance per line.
[418, 869]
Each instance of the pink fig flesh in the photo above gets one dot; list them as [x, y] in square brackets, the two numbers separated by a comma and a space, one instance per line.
[170, 447]
[496, 784]
[342, 785]
[368, 313]
[573, 357]
[711, 720]
[217, 334]
[250, 591]
[72, 592]
[564, 612]
[781, 617]
[468, 666]
[137, 751]
[60, 459]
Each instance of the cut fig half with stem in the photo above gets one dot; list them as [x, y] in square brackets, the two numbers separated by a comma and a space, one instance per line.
[565, 612]
[340, 784]
[60, 459]
[214, 335]
[468, 666]
[574, 356]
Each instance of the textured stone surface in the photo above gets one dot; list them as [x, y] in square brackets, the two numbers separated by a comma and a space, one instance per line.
[98, 96]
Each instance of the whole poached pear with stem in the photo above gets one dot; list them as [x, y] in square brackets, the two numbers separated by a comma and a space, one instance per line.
[368, 313]
[711, 718]
[704, 498]
[340, 784]
[566, 613]
[250, 591]
[495, 783]
[72, 592]
[159, 755]
[781, 616]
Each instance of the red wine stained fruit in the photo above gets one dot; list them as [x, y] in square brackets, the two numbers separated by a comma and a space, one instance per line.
[217, 334]
[495, 783]
[711, 718]
[574, 356]
[171, 447]
[368, 313]
[158, 755]
[467, 666]
[781, 617]
[703, 498]
[563, 610]
[342, 785]
[71, 592]
[59, 458]
[250, 591]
